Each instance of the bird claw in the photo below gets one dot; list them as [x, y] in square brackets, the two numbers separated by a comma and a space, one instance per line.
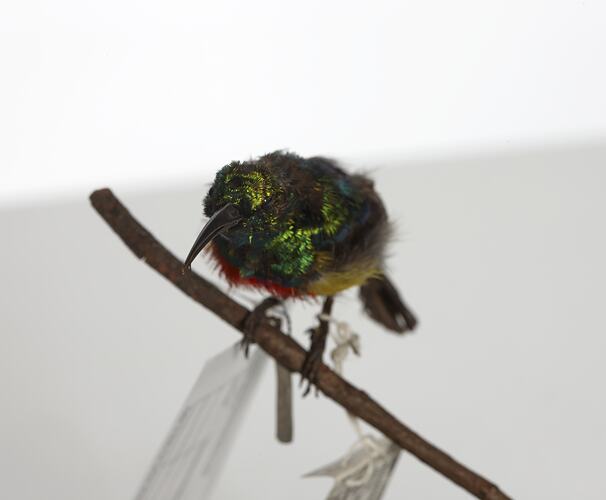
[246, 342]
[309, 373]
[313, 358]
[253, 320]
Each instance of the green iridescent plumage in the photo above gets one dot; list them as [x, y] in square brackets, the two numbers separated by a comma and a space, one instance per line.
[302, 219]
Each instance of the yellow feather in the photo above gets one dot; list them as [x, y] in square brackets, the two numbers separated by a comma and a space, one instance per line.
[334, 282]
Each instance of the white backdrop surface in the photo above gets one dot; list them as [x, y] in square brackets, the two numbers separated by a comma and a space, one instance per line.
[500, 255]
[145, 92]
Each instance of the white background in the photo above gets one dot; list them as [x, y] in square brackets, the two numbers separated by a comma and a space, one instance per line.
[485, 123]
[150, 91]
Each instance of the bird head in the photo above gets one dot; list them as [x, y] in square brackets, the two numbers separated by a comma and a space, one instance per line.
[241, 200]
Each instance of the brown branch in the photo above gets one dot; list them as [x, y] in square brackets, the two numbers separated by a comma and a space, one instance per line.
[283, 348]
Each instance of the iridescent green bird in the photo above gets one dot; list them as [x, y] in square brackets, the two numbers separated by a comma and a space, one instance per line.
[301, 227]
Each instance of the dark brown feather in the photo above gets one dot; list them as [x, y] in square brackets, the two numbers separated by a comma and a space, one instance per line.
[383, 303]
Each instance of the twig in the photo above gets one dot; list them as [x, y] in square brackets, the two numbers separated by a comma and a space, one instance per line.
[283, 348]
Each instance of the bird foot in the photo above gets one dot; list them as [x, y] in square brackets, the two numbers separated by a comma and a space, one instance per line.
[313, 358]
[254, 319]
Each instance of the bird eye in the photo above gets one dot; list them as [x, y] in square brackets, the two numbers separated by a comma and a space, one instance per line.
[233, 212]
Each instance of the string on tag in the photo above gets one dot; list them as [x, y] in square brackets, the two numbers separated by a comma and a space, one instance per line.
[346, 341]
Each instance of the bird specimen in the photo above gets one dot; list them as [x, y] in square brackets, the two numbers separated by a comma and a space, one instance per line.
[296, 227]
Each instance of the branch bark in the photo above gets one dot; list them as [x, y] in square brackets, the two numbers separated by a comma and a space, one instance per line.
[283, 348]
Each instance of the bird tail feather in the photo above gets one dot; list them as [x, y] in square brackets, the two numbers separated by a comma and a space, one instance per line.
[383, 303]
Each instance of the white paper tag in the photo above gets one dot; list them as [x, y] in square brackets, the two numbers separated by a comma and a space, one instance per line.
[363, 473]
[196, 447]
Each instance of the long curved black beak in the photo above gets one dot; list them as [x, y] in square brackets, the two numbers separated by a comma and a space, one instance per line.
[222, 220]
